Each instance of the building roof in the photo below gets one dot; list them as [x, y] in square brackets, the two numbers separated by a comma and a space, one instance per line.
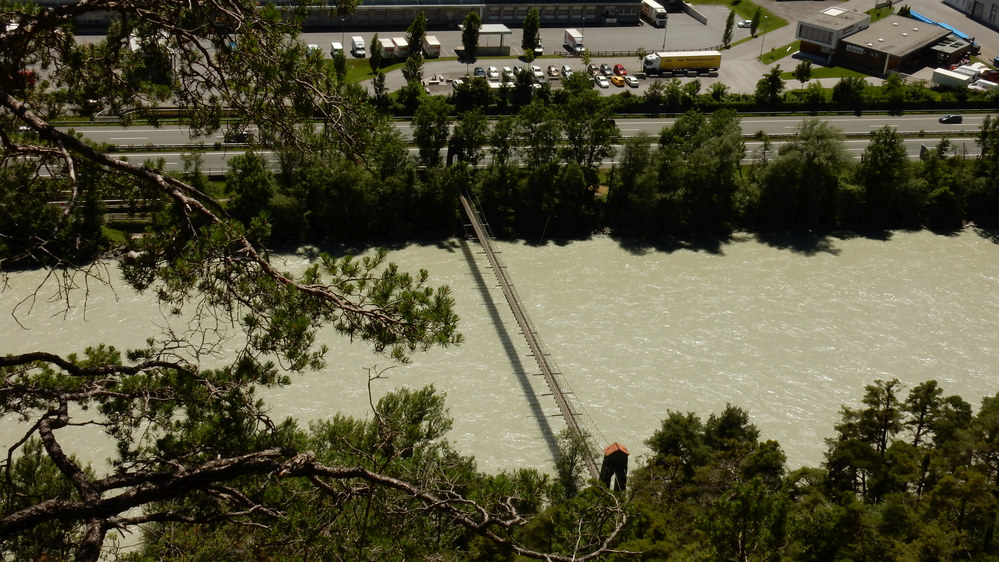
[951, 44]
[494, 29]
[490, 29]
[835, 18]
[615, 447]
[897, 36]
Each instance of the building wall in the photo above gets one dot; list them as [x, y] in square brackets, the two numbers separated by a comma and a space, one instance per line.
[448, 17]
[985, 11]
[388, 14]
[821, 35]
[861, 58]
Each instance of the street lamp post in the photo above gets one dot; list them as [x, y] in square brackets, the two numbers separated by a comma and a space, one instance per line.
[763, 35]
[341, 30]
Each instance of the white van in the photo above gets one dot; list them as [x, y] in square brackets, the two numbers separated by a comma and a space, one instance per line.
[357, 46]
[335, 49]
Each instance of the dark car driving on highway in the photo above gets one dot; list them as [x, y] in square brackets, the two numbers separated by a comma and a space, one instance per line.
[951, 118]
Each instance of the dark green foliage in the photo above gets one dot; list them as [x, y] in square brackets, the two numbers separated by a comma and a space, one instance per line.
[470, 134]
[470, 35]
[754, 25]
[884, 175]
[415, 34]
[770, 87]
[250, 186]
[983, 199]
[404, 440]
[798, 188]
[26, 217]
[729, 26]
[531, 36]
[907, 477]
[803, 72]
[34, 477]
[375, 56]
[849, 91]
[430, 129]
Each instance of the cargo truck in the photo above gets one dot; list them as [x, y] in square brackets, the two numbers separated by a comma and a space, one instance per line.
[704, 61]
[654, 12]
[401, 47]
[431, 47]
[357, 46]
[574, 41]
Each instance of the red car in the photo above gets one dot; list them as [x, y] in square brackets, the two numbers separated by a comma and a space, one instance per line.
[619, 70]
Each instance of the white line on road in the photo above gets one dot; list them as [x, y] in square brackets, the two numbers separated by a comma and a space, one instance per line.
[129, 138]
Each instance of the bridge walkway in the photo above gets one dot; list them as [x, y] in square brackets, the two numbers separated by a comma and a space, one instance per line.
[545, 362]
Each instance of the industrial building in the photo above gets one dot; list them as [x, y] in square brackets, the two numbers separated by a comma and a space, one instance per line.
[985, 11]
[821, 33]
[892, 44]
[447, 15]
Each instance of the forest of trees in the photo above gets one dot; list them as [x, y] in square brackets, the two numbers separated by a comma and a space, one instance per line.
[690, 181]
[198, 467]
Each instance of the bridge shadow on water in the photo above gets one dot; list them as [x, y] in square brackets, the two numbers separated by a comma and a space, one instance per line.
[504, 334]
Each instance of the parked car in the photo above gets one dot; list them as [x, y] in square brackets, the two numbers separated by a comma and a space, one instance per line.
[592, 69]
[553, 71]
[951, 118]
[493, 73]
[537, 72]
[539, 50]
[601, 81]
[606, 69]
[745, 23]
[507, 73]
[620, 70]
[631, 81]
[479, 71]
[566, 71]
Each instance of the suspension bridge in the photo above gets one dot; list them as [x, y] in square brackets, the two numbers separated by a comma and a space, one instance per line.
[571, 409]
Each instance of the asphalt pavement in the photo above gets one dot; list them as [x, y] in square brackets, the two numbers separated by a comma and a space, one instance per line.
[740, 70]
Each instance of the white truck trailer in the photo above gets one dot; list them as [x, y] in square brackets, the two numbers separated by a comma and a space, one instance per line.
[401, 47]
[944, 77]
[431, 47]
[387, 47]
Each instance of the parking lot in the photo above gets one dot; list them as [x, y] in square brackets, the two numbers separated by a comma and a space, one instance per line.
[682, 33]
[740, 69]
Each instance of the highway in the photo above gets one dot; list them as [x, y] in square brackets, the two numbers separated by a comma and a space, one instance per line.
[139, 144]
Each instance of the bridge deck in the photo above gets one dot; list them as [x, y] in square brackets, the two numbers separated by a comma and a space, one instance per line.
[542, 358]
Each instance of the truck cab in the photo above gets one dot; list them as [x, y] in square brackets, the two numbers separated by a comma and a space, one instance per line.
[357, 47]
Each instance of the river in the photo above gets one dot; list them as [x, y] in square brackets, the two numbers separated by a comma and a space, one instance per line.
[788, 329]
